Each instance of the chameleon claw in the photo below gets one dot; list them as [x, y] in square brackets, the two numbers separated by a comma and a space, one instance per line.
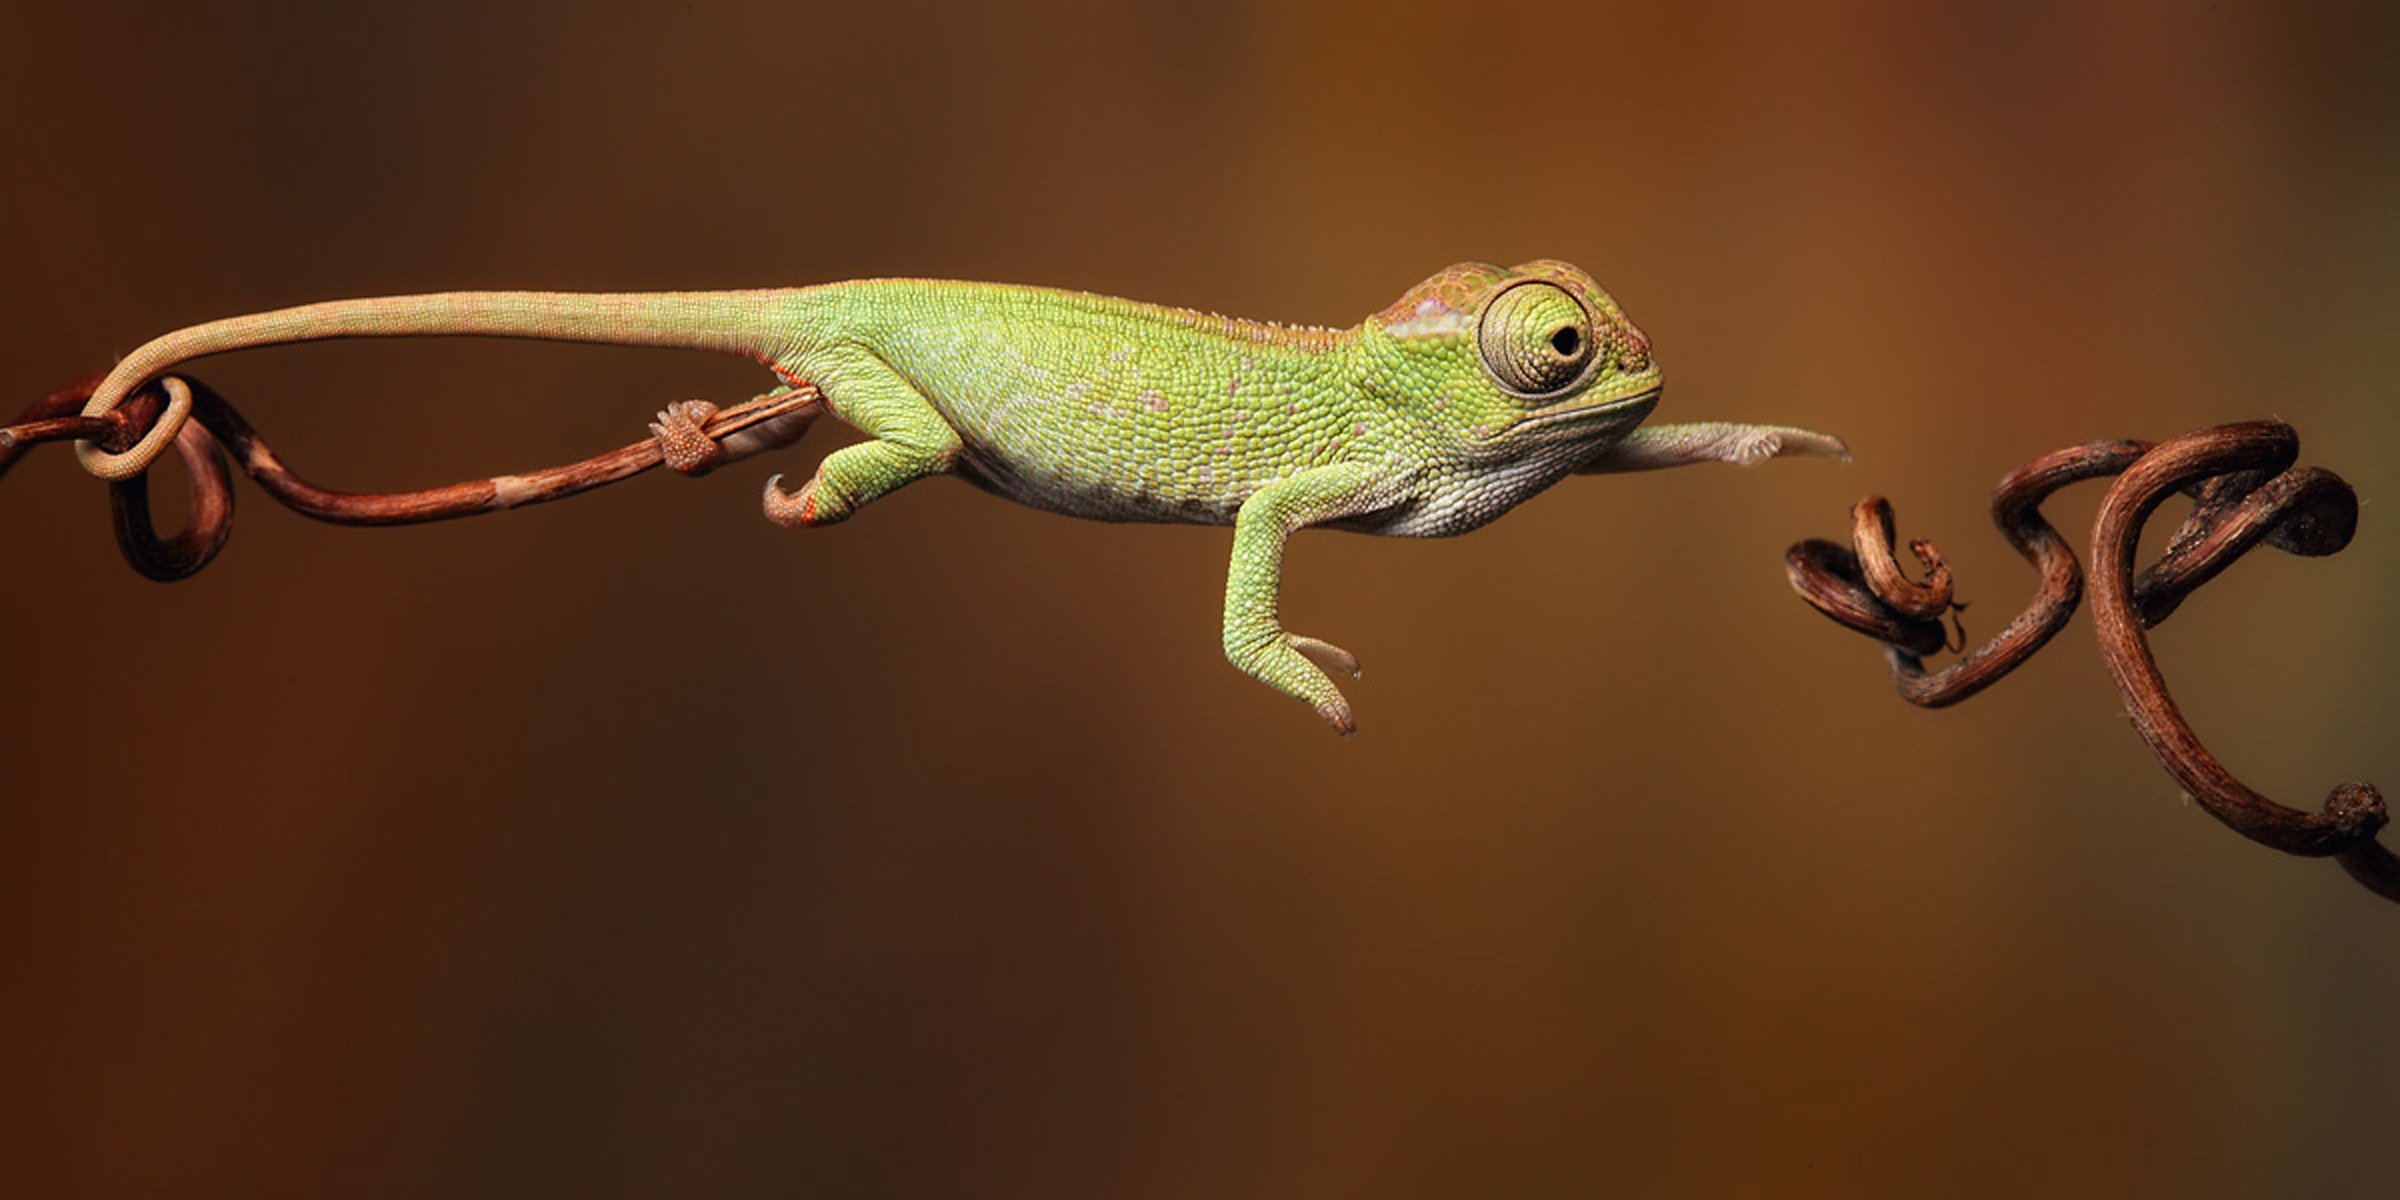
[1331, 706]
[796, 510]
[1332, 658]
[1299, 667]
[1660, 446]
[788, 509]
[1783, 442]
[680, 441]
[1815, 445]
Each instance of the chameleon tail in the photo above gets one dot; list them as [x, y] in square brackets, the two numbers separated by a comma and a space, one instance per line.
[736, 322]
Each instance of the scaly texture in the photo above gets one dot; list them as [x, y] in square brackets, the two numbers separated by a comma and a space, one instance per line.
[1474, 390]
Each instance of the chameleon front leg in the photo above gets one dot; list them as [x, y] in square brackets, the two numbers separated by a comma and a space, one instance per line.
[1255, 639]
[907, 440]
[1655, 446]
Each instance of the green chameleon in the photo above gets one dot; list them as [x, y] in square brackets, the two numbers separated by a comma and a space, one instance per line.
[1474, 390]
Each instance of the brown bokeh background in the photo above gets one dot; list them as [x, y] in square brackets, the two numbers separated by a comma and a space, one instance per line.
[632, 846]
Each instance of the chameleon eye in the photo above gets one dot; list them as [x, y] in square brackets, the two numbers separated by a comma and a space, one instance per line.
[1535, 339]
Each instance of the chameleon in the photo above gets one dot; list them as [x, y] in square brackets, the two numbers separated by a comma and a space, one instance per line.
[1476, 389]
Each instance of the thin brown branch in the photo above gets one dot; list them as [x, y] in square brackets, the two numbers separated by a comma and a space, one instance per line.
[2355, 811]
[217, 427]
[2245, 491]
[1871, 532]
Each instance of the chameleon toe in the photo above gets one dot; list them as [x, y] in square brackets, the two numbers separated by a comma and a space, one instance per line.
[681, 443]
[1808, 443]
[788, 509]
[1332, 658]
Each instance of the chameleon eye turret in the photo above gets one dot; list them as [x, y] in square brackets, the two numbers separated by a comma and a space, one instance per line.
[1536, 340]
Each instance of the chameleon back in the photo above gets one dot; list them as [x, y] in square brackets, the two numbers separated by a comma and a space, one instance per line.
[1099, 407]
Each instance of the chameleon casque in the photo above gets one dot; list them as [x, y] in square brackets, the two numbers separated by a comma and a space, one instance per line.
[1474, 390]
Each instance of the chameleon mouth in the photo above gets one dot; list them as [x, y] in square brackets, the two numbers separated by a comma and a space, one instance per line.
[1637, 404]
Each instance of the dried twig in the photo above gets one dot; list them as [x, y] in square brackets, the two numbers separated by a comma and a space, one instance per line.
[2245, 491]
[216, 427]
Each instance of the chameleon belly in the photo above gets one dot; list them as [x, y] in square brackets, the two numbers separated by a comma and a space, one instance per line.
[1113, 410]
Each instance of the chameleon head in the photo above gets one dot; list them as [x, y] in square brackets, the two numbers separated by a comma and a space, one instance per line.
[1508, 361]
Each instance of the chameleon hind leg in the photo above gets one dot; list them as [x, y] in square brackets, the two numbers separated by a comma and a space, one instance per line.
[1255, 639]
[907, 441]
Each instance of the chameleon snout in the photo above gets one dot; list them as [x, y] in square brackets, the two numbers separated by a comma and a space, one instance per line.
[1632, 349]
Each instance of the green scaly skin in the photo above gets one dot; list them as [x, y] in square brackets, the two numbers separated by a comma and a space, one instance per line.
[1474, 390]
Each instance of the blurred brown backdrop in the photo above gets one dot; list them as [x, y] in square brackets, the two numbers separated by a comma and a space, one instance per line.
[634, 847]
